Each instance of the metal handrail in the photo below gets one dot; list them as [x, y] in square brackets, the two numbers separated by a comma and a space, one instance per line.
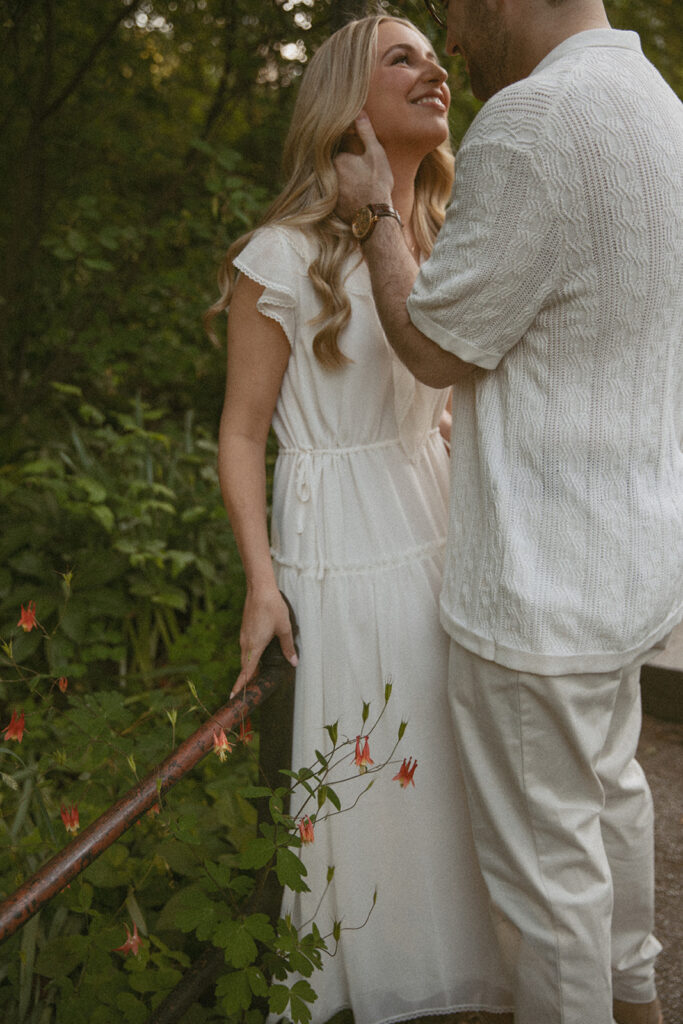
[17, 909]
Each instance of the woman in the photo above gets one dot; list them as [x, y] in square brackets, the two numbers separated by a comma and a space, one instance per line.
[358, 530]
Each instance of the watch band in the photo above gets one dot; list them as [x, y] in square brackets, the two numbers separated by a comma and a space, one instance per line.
[364, 220]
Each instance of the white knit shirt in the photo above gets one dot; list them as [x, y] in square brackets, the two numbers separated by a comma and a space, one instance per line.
[558, 271]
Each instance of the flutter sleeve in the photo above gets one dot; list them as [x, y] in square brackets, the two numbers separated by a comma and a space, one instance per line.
[270, 260]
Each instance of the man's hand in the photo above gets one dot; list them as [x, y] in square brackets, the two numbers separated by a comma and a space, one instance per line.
[366, 178]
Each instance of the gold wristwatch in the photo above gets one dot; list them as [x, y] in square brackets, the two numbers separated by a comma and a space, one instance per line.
[364, 220]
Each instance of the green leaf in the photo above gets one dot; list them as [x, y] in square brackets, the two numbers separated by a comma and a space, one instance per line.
[171, 597]
[95, 491]
[301, 776]
[300, 963]
[155, 981]
[255, 792]
[257, 981]
[278, 998]
[333, 798]
[259, 926]
[66, 389]
[60, 956]
[257, 854]
[234, 992]
[194, 911]
[333, 732]
[134, 1012]
[9, 780]
[76, 241]
[105, 517]
[290, 871]
[98, 264]
[301, 995]
[233, 937]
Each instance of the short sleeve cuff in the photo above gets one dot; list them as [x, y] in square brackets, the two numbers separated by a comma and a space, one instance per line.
[444, 339]
[268, 261]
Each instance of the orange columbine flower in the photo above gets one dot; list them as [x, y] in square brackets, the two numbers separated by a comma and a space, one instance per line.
[220, 744]
[405, 775]
[362, 758]
[132, 943]
[62, 683]
[15, 729]
[306, 830]
[70, 818]
[27, 619]
[246, 732]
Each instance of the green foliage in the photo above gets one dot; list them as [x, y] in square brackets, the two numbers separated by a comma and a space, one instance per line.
[189, 874]
[128, 506]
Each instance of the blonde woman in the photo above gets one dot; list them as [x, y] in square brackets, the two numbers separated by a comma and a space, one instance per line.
[358, 531]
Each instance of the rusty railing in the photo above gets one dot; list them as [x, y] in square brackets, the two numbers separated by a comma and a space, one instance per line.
[17, 909]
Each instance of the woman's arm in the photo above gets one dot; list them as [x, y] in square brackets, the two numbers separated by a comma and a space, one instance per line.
[258, 353]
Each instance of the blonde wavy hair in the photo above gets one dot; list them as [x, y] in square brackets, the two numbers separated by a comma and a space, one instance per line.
[333, 91]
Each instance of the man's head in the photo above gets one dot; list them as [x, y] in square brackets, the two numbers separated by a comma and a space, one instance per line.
[502, 41]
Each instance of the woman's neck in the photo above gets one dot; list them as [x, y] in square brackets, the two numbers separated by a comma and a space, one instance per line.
[403, 192]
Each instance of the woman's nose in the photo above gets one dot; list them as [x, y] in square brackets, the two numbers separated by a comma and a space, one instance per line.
[435, 73]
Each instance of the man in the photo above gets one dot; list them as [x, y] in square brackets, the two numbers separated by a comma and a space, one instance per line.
[552, 304]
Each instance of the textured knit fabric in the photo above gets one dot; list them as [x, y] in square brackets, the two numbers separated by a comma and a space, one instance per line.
[558, 272]
[358, 530]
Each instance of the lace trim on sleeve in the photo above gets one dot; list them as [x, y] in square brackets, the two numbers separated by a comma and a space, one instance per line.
[266, 261]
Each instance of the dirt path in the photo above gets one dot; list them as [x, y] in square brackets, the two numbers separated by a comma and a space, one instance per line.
[661, 755]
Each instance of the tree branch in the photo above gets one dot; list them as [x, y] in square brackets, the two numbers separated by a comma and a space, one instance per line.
[80, 73]
[219, 96]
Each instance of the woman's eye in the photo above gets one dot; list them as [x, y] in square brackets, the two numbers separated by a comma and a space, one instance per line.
[401, 58]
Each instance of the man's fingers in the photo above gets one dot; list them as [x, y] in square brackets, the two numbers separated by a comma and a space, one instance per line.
[365, 130]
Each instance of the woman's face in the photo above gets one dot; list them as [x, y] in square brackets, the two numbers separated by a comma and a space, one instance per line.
[408, 98]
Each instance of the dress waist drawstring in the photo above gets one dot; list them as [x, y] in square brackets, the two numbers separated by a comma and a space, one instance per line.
[307, 471]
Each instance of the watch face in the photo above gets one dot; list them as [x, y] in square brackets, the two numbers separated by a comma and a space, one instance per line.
[362, 222]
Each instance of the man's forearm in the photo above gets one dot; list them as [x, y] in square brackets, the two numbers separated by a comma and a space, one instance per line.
[393, 272]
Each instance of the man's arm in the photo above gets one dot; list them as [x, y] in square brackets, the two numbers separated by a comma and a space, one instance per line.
[368, 179]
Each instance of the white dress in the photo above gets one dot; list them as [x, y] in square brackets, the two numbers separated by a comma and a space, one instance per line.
[358, 533]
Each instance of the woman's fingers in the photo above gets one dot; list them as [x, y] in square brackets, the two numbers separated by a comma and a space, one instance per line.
[261, 621]
[287, 644]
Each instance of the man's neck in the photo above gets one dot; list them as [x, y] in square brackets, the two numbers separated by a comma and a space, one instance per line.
[537, 27]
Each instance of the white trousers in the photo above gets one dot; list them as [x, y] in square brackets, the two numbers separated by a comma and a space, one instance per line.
[563, 825]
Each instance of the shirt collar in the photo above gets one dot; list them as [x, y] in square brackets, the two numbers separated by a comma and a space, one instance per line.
[592, 37]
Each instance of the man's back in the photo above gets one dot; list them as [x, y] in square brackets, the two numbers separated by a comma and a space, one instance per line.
[560, 257]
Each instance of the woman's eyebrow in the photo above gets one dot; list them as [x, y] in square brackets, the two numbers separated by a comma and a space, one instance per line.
[410, 48]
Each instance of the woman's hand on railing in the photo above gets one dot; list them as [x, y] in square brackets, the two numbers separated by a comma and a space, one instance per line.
[265, 616]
